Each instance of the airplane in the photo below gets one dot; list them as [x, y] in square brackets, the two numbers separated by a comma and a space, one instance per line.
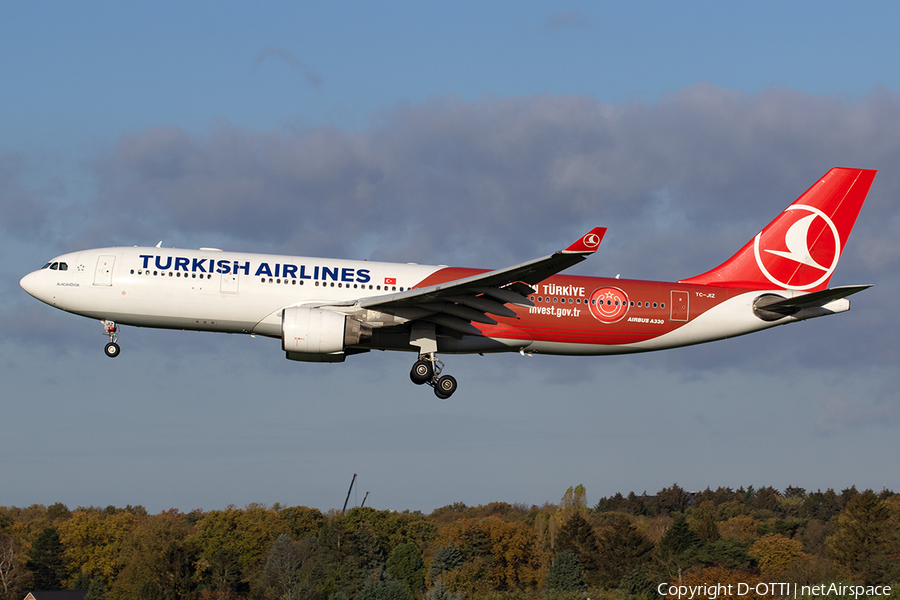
[324, 310]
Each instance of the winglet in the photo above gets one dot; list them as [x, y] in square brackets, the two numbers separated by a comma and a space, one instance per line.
[588, 243]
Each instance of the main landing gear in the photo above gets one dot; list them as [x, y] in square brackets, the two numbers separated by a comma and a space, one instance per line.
[112, 330]
[428, 370]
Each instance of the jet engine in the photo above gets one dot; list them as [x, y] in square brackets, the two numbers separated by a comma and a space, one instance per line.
[316, 335]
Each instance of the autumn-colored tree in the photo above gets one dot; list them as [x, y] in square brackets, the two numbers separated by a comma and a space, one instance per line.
[496, 555]
[518, 560]
[863, 538]
[776, 553]
[93, 540]
[302, 521]
[246, 536]
[741, 527]
[158, 560]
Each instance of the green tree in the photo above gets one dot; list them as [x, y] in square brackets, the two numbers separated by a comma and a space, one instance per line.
[439, 591]
[383, 589]
[637, 585]
[729, 554]
[446, 558]
[405, 565]
[704, 522]
[96, 589]
[281, 573]
[677, 539]
[621, 548]
[45, 561]
[565, 573]
[672, 500]
[578, 536]
[863, 537]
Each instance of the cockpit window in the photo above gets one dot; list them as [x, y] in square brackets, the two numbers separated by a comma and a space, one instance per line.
[45, 266]
[54, 266]
[63, 266]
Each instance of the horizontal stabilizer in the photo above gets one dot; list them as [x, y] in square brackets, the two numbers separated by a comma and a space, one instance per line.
[783, 307]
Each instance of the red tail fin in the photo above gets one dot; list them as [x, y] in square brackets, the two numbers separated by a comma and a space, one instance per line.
[801, 247]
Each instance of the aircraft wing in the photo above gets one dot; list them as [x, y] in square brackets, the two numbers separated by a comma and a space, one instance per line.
[456, 303]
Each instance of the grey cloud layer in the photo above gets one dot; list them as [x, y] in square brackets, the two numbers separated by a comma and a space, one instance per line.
[456, 180]
[681, 184]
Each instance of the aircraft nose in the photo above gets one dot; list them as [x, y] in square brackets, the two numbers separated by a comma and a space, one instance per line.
[29, 283]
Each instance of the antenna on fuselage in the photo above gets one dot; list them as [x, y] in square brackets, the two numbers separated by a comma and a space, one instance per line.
[159, 245]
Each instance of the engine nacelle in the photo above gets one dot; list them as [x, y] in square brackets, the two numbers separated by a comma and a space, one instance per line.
[316, 335]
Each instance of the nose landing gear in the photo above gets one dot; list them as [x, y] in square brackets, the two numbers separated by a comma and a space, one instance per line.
[112, 330]
[428, 370]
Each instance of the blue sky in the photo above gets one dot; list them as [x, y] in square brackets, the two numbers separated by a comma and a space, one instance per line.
[476, 134]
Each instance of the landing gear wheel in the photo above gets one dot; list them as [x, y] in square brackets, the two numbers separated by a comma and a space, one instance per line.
[422, 372]
[112, 349]
[445, 386]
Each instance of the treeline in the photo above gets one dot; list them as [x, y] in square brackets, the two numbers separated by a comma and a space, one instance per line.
[619, 549]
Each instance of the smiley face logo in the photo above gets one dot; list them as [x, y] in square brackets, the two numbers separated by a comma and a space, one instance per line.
[608, 304]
